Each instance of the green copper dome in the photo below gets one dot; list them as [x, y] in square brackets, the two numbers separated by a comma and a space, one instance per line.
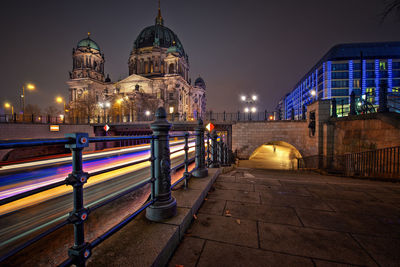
[87, 42]
[158, 35]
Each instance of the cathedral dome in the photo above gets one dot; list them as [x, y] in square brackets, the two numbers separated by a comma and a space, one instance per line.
[200, 82]
[87, 42]
[158, 35]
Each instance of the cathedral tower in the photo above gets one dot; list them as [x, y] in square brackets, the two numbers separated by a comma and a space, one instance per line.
[88, 62]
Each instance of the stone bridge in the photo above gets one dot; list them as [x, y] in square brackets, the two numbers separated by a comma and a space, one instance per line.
[332, 136]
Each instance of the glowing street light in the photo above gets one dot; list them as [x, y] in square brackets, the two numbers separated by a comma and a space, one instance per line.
[171, 110]
[60, 100]
[30, 87]
[253, 109]
[8, 105]
[313, 93]
[254, 97]
[243, 98]
[147, 113]
[246, 110]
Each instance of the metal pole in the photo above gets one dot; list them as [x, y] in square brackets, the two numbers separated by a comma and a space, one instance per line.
[201, 170]
[164, 206]
[186, 148]
[214, 153]
[208, 149]
[81, 250]
[221, 152]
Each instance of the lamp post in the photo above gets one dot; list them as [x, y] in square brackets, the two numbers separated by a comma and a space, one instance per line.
[104, 106]
[250, 102]
[8, 105]
[30, 87]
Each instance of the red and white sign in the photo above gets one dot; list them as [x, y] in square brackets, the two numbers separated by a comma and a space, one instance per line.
[210, 127]
[106, 128]
[54, 128]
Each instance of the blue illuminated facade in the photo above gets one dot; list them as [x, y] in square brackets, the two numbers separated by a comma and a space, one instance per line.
[346, 68]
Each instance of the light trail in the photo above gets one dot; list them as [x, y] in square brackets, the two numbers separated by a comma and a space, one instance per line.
[50, 175]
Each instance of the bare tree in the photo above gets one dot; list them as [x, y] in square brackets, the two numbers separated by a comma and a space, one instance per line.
[52, 111]
[32, 109]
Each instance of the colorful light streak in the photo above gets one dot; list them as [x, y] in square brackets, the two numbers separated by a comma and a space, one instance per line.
[51, 175]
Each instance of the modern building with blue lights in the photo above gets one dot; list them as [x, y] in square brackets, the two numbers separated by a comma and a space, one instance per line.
[359, 67]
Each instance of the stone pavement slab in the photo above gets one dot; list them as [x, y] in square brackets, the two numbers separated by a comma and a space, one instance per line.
[294, 219]
[263, 213]
[234, 195]
[220, 254]
[293, 201]
[225, 229]
[313, 243]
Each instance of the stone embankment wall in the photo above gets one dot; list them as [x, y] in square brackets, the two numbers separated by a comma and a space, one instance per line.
[37, 131]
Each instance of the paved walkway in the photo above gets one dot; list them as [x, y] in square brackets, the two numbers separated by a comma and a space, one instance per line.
[280, 218]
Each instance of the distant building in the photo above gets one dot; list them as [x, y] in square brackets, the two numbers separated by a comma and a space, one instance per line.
[361, 67]
[158, 76]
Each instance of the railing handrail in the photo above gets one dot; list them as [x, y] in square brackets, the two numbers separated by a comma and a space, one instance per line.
[76, 142]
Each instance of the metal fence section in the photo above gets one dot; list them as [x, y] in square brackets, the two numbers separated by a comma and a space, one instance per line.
[383, 162]
[161, 204]
[142, 117]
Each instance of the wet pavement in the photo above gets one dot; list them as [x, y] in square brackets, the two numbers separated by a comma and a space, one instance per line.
[254, 217]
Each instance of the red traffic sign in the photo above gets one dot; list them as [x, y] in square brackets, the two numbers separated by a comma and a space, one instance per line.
[106, 128]
[210, 127]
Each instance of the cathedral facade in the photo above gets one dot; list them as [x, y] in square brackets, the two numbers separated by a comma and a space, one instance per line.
[158, 76]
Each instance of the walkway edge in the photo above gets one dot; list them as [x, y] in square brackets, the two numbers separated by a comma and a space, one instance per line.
[145, 243]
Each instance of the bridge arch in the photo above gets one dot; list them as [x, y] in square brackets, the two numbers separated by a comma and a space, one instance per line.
[275, 155]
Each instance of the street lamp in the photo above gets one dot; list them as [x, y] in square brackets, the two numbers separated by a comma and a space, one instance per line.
[60, 100]
[250, 101]
[253, 109]
[8, 105]
[30, 87]
[246, 110]
[104, 106]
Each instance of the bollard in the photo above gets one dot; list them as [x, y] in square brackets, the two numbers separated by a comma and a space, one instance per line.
[201, 170]
[164, 205]
[214, 150]
[334, 109]
[81, 250]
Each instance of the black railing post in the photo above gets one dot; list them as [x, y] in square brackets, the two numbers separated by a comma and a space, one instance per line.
[201, 170]
[352, 104]
[164, 205]
[224, 115]
[186, 148]
[238, 116]
[208, 150]
[303, 114]
[334, 109]
[81, 250]
[214, 150]
[265, 115]
[33, 118]
[15, 117]
[221, 152]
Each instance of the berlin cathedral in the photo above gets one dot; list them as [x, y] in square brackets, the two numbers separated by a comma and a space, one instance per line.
[158, 76]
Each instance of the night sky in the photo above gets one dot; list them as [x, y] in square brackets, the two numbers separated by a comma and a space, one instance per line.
[252, 46]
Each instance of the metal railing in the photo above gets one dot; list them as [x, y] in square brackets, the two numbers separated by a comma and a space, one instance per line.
[383, 162]
[160, 180]
[143, 117]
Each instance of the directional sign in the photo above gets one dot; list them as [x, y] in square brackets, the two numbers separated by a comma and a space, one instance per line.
[210, 127]
[106, 128]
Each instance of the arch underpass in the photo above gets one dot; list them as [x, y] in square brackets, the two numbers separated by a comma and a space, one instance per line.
[277, 155]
